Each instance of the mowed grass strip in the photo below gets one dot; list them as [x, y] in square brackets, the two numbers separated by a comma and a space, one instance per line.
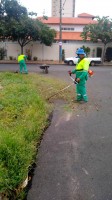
[24, 115]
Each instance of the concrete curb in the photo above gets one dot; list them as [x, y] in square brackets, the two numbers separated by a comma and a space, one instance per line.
[45, 62]
[33, 62]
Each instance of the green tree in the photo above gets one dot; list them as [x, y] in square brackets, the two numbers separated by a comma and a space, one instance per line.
[1, 9]
[46, 34]
[27, 30]
[101, 31]
[12, 9]
[9, 10]
[86, 49]
[24, 31]
[2, 29]
[16, 25]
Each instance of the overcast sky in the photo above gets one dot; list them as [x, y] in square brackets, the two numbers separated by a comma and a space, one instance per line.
[94, 7]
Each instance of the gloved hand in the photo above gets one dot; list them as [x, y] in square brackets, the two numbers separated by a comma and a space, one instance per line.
[69, 72]
[77, 80]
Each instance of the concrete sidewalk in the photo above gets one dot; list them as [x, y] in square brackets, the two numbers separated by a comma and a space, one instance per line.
[55, 175]
[68, 157]
[33, 62]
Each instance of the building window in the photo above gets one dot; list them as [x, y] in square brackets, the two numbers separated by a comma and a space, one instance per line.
[68, 29]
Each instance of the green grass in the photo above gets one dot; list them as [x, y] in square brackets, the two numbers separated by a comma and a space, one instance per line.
[24, 113]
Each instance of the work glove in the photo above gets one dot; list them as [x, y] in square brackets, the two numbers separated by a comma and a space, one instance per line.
[77, 80]
[69, 72]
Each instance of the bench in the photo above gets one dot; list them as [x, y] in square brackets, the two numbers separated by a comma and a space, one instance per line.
[44, 68]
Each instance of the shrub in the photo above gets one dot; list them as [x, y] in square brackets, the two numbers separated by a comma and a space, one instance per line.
[35, 58]
[11, 57]
[63, 54]
[29, 54]
[3, 53]
[87, 50]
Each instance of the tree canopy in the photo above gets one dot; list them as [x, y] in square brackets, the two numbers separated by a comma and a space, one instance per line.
[46, 34]
[101, 31]
[16, 25]
[12, 9]
[24, 31]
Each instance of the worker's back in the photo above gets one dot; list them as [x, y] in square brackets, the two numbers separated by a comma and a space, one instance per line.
[21, 57]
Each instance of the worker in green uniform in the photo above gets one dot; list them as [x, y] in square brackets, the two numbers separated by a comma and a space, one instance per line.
[22, 64]
[81, 72]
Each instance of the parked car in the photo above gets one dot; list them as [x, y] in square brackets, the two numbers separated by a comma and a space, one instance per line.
[74, 60]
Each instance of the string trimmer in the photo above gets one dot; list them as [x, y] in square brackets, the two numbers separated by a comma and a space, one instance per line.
[74, 82]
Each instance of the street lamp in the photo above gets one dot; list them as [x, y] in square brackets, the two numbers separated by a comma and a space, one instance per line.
[60, 33]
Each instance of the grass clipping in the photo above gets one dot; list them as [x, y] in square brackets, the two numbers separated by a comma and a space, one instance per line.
[23, 116]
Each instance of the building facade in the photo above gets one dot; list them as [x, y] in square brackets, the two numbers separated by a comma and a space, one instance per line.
[71, 28]
[71, 40]
[67, 7]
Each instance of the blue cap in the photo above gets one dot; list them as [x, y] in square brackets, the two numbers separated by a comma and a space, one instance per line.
[80, 51]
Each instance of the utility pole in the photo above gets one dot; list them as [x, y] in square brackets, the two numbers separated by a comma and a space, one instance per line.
[73, 15]
[60, 33]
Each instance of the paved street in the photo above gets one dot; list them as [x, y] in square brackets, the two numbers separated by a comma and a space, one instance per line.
[75, 156]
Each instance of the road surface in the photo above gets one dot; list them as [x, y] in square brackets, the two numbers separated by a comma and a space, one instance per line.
[75, 157]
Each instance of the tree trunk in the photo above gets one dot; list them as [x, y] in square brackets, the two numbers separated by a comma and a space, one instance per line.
[103, 53]
[21, 49]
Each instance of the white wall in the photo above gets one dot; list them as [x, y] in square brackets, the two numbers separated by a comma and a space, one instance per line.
[79, 28]
[48, 53]
[52, 53]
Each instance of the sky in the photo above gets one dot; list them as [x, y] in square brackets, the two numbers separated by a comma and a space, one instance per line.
[94, 7]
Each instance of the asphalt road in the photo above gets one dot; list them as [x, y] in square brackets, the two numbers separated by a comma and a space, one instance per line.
[75, 156]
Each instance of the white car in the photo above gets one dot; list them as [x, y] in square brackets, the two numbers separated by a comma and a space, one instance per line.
[74, 60]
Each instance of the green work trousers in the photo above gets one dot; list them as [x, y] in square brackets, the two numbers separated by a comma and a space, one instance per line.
[23, 67]
[81, 87]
